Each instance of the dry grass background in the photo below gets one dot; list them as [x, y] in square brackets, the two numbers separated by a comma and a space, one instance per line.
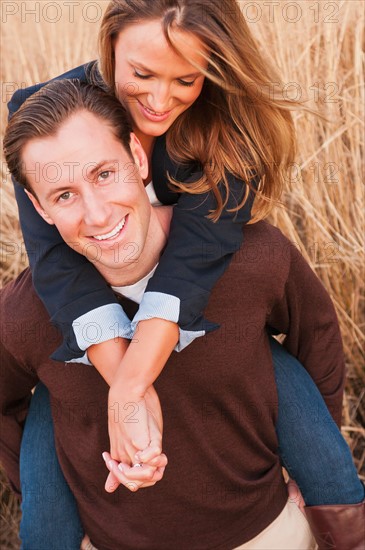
[318, 47]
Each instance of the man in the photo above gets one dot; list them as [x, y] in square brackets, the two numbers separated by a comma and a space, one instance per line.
[223, 487]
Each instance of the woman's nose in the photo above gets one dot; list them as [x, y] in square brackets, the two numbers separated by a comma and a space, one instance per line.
[159, 97]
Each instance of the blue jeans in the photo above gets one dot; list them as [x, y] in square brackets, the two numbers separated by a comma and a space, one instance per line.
[50, 519]
[310, 445]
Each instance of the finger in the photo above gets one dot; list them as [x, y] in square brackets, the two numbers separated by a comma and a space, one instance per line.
[112, 483]
[122, 452]
[132, 485]
[158, 475]
[109, 462]
[154, 450]
[154, 447]
[295, 495]
[158, 462]
[107, 458]
[143, 473]
[135, 478]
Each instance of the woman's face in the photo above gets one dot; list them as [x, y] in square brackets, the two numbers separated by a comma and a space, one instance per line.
[154, 82]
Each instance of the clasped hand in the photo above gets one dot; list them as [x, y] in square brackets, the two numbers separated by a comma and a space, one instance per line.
[135, 431]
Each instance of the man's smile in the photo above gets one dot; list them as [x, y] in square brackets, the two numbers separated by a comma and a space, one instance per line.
[113, 233]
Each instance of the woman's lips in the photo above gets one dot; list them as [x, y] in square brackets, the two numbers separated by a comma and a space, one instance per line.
[152, 115]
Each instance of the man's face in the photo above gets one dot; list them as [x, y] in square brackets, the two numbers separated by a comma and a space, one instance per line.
[88, 186]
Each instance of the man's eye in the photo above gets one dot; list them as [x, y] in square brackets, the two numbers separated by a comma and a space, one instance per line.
[64, 197]
[104, 175]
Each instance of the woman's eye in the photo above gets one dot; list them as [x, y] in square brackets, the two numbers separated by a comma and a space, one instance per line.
[184, 83]
[139, 75]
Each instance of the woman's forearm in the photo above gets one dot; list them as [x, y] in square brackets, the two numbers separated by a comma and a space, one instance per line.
[107, 356]
[147, 355]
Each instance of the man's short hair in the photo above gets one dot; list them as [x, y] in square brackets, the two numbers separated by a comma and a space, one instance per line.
[42, 115]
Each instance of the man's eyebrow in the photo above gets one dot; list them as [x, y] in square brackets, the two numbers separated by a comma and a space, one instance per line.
[101, 165]
[147, 70]
[95, 169]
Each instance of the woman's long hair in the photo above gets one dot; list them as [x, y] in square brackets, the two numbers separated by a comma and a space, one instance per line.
[237, 124]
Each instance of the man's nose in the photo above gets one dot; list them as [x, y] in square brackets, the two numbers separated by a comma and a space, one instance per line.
[159, 97]
[96, 211]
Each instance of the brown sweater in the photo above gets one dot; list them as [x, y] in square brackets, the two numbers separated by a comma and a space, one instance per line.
[223, 484]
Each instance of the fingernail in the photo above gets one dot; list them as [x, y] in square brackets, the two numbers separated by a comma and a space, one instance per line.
[104, 456]
[120, 467]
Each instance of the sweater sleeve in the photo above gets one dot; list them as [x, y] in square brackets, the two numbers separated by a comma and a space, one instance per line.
[197, 253]
[306, 315]
[16, 383]
[66, 281]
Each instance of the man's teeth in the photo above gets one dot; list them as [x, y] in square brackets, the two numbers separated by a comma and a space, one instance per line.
[112, 233]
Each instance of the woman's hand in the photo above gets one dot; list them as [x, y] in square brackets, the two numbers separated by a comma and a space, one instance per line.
[127, 423]
[127, 406]
[151, 461]
[133, 477]
[135, 425]
[295, 495]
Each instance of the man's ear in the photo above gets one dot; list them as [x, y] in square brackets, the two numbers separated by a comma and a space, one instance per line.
[140, 157]
[38, 207]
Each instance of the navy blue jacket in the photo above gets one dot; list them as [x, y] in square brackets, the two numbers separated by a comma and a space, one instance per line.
[197, 254]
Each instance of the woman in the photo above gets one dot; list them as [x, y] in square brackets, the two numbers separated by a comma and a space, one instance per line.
[193, 98]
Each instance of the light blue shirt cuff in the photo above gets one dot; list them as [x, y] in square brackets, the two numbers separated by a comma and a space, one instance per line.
[164, 306]
[84, 360]
[101, 324]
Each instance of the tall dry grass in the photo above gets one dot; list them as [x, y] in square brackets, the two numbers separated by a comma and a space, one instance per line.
[318, 47]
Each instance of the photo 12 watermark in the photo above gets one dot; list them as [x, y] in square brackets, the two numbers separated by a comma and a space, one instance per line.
[52, 12]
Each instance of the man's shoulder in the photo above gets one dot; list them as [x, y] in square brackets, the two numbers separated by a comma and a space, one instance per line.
[18, 98]
[267, 247]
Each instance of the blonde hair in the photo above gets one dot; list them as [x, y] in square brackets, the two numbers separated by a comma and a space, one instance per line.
[237, 125]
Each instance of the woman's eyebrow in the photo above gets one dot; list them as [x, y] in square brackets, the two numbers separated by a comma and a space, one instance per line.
[149, 71]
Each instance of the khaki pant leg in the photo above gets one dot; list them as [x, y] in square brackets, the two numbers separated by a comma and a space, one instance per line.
[289, 531]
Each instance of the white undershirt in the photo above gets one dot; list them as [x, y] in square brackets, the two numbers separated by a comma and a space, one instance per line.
[150, 190]
[135, 292]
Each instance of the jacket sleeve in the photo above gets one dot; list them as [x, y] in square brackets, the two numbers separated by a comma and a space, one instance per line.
[16, 383]
[197, 253]
[66, 281]
[306, 315]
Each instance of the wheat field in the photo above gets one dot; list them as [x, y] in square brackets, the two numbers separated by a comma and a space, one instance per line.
[319, 52]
